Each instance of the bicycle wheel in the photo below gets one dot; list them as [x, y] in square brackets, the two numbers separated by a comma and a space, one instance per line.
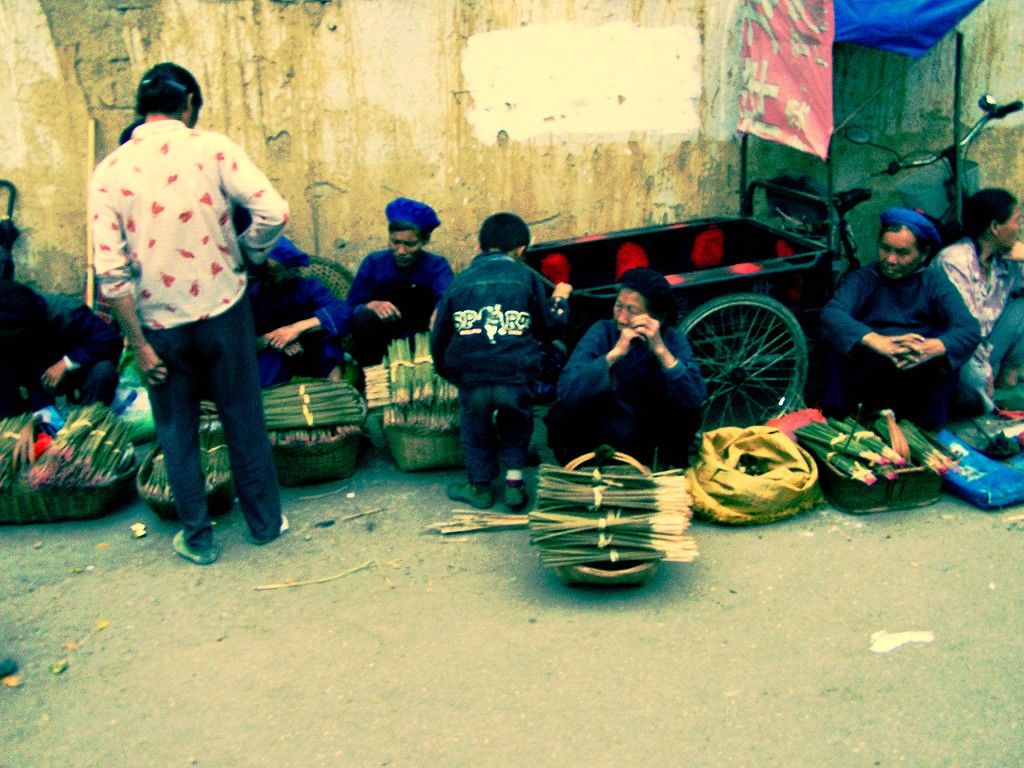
[753, 355]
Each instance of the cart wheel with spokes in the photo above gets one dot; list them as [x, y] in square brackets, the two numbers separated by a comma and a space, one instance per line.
[753, 355]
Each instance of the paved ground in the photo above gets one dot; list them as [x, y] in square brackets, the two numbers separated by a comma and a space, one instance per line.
[466, 652]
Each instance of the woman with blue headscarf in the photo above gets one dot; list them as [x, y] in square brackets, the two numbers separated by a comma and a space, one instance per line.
[897, 333]
[299, 323]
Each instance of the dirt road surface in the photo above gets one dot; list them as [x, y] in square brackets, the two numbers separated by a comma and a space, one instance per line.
[466, 652]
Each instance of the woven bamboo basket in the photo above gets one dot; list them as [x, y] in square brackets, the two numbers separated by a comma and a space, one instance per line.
[20, 504]
[332, 459]
[619, 574]
[414, 447]
[220, 492]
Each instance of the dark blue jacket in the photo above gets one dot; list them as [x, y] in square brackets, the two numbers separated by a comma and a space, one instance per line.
[636, 388]
[379, 278]
[924, 302]
[491, 323]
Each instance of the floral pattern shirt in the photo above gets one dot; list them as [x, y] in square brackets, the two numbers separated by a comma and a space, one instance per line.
[160, 212]
[985, 293]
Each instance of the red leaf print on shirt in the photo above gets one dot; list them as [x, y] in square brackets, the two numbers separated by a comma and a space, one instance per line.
[168, 280]
[185, 216]
[223, 249]
[199, 166]
[127, 193]
[164, 149]
[204, 316]
[206, 199]
[286, 218]
[151, 243]
[194, 288]
[206, 239]
[105, 247]
[115, 226]
[172, 179]
[216, 269]
[156, 208]
[223, 218]
[156, 324]
[146, 293]
[186, 254]
[234, 166]
[259, 194]
[130, 226]
[220, 157]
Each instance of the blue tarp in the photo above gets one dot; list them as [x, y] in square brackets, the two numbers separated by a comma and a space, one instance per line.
[910, 27]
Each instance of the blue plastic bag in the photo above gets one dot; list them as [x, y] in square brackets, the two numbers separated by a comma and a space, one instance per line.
[982, 481]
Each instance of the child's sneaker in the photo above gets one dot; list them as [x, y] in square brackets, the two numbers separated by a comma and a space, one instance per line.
[481, 498]
[515, 497]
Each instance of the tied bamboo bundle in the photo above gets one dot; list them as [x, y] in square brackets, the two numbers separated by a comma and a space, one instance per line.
[13, 431]
[154, 485]
[925, 450]
[312, 403]
[415, 395]
[845, 451]
[378, 388]
[92, 449]
[611, 515]
[300, 438]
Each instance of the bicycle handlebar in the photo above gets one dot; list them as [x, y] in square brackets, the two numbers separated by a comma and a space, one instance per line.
[997, 112]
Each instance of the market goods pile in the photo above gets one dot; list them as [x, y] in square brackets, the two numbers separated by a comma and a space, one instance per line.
[611, 514]
[410, 390]
[154, 485]
[313, 405]
[872, 454]
[91, 450]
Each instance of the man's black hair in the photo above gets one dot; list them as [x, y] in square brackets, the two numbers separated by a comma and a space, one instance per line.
[503, 232]
[164, 90]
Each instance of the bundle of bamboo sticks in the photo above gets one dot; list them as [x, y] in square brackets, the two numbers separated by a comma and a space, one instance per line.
[311, 404]
[858, 452]
[607, 515]
[91, 449]
[14, 431]
[214, 461]
[410, 390]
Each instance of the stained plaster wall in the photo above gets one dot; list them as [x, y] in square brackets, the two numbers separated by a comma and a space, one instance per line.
[582, 115]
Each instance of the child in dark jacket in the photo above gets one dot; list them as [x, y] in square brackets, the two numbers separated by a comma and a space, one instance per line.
[486, 340]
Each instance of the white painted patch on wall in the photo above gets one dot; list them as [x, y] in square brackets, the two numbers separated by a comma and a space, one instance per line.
[572, 79]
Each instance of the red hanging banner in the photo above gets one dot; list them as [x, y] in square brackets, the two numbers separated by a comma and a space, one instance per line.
[786, 93]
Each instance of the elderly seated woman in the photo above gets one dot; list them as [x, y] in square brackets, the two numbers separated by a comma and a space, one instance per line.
[632, 381]
[299, 323]
[897, 332]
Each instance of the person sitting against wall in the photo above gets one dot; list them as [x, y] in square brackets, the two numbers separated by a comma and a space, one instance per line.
[299, 323]
[395, 291]
[896, 332]
[53, 345]
[632, 382]
[989, 281]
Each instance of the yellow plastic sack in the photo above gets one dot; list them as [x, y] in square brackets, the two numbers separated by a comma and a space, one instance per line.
[752, 475]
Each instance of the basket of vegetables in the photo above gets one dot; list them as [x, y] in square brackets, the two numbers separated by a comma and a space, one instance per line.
[81, 474]
[315, 428]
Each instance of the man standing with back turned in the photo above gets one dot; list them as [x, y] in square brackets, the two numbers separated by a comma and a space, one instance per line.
[172, 269]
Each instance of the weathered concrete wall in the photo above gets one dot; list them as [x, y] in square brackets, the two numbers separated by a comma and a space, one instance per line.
[581, 115]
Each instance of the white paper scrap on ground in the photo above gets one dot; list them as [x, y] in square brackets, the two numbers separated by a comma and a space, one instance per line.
[883, 642]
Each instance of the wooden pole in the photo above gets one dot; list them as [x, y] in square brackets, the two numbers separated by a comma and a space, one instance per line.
[90, 164]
